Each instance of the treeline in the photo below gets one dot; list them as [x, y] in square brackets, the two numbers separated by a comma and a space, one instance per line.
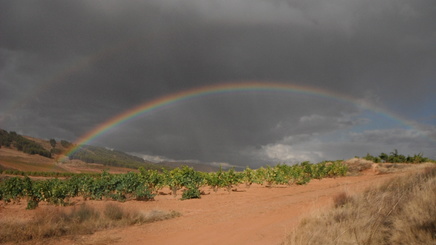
[12, 139]
[145, 184]
[58, 150]
[95, 154]
[395, 157]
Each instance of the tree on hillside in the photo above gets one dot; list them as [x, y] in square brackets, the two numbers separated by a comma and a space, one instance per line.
[394, 153]
[53, 143]
[65, 143]
[372, 158]
[394, 157]
[384, 157]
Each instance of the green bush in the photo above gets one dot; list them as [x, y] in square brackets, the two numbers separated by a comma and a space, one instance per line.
[191, 193]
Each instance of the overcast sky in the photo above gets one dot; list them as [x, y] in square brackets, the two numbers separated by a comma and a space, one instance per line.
[68, 66]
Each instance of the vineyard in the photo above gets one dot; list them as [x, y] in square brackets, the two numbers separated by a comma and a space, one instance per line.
[146, 184]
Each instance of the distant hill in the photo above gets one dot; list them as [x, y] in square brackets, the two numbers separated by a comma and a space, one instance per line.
[95, 154]
[25, 153]
[20, 143]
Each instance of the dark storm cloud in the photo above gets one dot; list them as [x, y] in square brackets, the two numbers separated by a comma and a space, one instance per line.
[66, 67]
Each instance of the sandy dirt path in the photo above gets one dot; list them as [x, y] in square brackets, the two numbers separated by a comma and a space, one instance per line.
[255, 215]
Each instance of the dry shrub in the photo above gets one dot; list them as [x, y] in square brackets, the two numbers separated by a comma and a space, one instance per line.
[158, 215]
[402, 211]
[341, 199]
[49, 223]
[113, 212]
[357, 165]
[83, 213]
[385, 168]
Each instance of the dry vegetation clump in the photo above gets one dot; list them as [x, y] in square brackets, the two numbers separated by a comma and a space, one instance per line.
[402, 211]
[357, 165]
[341, 199]
[386, 168]
[50, 223]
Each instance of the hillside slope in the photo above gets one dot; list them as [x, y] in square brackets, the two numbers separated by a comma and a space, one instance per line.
[29, 154]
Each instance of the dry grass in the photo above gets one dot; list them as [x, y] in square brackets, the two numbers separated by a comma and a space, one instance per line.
[401, 211]
[80, 221]
[357, 165]
[342, 199]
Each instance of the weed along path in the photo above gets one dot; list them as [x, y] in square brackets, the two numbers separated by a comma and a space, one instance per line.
[255, 215]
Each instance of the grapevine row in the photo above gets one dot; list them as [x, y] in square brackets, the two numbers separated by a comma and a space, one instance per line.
[145, 184]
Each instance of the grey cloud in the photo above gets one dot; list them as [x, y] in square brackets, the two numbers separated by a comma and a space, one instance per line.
[412, 138]
[68, 67]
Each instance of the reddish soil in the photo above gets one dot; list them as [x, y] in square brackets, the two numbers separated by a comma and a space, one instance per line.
[255, 215]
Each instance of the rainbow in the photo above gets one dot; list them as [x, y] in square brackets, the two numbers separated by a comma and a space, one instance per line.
[217, 89]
